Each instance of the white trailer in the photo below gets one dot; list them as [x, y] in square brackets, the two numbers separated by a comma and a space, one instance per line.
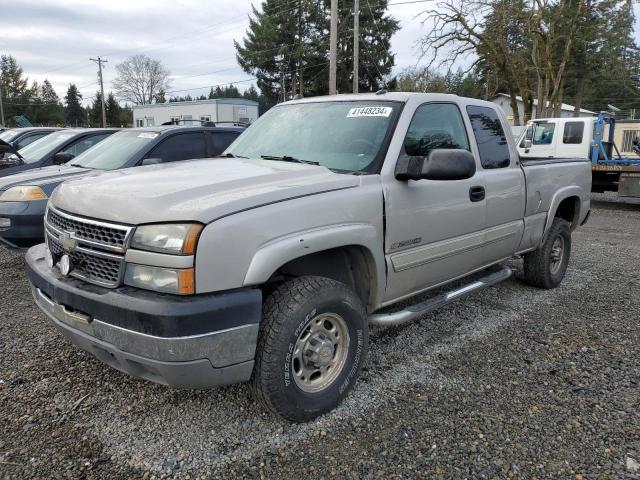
[227, 110]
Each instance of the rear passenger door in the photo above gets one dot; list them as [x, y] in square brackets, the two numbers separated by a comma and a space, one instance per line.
[180, 146]
[504, 183]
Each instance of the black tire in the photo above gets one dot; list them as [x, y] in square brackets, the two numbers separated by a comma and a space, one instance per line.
[288, 312]
[540, 269]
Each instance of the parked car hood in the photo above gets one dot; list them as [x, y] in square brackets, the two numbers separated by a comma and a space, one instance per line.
[195, 190]
[43, 176]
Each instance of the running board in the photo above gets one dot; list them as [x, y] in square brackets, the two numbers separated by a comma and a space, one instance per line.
[415, 311]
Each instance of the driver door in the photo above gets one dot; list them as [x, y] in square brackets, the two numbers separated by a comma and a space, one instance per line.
[434, 227]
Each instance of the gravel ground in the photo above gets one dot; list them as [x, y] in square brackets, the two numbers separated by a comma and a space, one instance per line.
[513, 382]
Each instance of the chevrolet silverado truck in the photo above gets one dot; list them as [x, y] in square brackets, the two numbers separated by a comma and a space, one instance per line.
[271, 264]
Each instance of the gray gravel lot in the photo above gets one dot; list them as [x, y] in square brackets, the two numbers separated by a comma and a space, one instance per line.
[513, 382]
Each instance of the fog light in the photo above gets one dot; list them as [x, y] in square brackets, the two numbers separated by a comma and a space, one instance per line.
[5, 222]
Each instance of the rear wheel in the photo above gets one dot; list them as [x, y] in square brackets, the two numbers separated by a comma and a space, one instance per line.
[311, 347]
[546, 266]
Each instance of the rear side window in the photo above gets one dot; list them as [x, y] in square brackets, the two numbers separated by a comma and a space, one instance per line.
[221, 140]
[435, 125]
[490, 137]
[180, 147]
[23, 142]
[85, 143]
[572, 134]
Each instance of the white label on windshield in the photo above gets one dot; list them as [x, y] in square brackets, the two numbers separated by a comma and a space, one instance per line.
[369, 112]
[147, 135]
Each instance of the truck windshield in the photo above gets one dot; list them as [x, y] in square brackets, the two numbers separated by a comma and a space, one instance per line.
[36, 151]
[345, 136]
[115, 151]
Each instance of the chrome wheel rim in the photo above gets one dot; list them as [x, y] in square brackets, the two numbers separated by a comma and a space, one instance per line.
[557, 254]
[320, 352]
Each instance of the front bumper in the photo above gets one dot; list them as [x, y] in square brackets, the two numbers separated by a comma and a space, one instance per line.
[26, 219]
[189, 342]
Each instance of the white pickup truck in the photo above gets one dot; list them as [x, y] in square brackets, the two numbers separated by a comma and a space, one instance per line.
[587, 138]
[270, 264]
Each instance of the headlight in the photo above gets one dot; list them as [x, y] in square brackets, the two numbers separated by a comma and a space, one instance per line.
[173, 238]
[177, 281]
[23, 193]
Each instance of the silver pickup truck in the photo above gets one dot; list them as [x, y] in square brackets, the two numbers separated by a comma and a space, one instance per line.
[271, 263]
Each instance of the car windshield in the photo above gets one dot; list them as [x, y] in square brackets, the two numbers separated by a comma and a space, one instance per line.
[115, 151]
[36, 151]
[9, 135]
[345, 136]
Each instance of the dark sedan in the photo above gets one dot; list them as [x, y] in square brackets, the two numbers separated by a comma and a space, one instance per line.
[23, 196]
[54, 149]
[21, 137]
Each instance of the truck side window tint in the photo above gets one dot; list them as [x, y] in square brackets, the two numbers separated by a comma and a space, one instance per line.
[573, 133]
[180, 147]
[435, 125]
[543, 134]
[490, 137]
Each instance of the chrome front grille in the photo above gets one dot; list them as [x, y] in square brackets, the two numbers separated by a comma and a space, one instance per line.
[97, 251]
[92, 231]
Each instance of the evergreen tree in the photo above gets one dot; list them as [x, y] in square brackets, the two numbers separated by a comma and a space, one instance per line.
[51, 111]
[75, 114]
[95, 111]
[113, 111]
[15, 93]
[293, 41]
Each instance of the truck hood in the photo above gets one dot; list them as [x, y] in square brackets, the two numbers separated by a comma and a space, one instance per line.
[194, 190]
[43, 176]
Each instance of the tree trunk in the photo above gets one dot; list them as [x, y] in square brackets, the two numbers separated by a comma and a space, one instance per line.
[514, 107]
[579, 94]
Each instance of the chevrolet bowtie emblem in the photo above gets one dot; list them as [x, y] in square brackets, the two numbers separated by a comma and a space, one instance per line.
[68, 243]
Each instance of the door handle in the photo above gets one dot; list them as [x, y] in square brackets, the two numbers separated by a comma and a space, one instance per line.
[476, 194]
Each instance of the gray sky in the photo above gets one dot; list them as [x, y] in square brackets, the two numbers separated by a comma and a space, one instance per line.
[192, 38]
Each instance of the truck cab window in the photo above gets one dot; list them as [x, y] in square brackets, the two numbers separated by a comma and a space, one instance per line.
[180, 147]
[543, 133]
[435, 125]
[490, 137]
[572, 134]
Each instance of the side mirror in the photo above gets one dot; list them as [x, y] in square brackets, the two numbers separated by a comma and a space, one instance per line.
[151, 161]
[527, 143]
[441, 164]
[62, 157]
[7, 148]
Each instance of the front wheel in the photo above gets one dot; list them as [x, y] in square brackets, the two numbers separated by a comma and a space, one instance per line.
[546, 266]
[311, 347]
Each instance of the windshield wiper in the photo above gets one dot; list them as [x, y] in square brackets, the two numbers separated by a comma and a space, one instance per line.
[231, 155]
[287, 158]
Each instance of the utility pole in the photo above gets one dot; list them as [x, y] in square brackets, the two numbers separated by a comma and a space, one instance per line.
[1, 108]
[333, 47]
[100, 61]
[356, 43]
[283, 87]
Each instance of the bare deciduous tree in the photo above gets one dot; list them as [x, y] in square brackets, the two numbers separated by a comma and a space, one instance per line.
[526, 43]
[140, 79]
